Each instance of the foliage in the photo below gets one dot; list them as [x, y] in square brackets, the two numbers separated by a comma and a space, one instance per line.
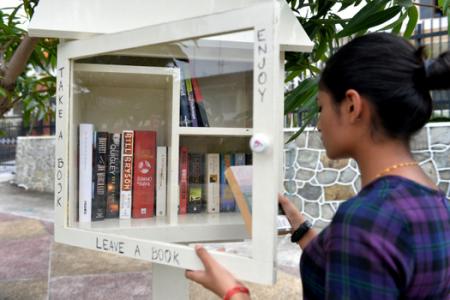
[327, 30]
[34, 84]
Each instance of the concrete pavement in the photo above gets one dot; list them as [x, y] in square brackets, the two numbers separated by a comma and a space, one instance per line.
[32, 266]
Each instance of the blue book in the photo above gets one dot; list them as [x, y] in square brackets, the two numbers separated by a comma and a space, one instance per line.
[227, 202]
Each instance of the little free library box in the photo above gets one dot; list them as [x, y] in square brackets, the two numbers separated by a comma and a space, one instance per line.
[155, 100]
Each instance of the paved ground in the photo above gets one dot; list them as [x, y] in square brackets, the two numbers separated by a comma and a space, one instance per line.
[32, 266]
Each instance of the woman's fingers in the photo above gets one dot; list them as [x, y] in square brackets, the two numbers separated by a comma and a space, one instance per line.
[197, 276]
[205, 257]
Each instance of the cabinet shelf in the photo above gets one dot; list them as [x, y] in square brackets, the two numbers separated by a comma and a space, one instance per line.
[214, 131]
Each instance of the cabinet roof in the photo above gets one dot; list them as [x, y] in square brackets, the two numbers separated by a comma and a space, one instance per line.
[80, 19]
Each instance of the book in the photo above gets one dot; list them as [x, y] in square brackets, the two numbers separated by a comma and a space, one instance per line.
[184, 184]
[100, 165]
[185, 117]
[240, 179]
[144, 175]
[196, 181]
[190, 95]
[85, 171]
[199, 103]
[113, 176]
[126, 171]
[212, 184]
[161, 180]
[227, 203]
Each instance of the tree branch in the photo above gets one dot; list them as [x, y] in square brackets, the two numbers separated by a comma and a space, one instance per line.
[19, 61]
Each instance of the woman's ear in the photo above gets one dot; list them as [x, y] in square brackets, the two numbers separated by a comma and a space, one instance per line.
[352, 106]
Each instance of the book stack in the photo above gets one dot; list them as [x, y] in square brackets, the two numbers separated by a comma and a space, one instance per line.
[203, 186]
[120, 174]
[192, 105]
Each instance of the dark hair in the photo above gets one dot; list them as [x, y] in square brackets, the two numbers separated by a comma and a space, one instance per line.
[392, 75]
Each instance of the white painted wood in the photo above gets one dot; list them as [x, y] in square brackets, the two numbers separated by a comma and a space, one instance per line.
[116, 97]
[169, 283]
[80, 19]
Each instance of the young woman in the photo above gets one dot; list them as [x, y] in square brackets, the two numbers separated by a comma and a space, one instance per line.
[391, 240]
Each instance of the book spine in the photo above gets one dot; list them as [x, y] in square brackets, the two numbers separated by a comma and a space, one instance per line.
[248, 159]
[113, 176]
[227, 202]
[184, 184]
[239, 159]
[101, 163]
[185, 117]
[144, 174]
[190, 95]
[126, 178]
[196, 181]
[212, 182]
[86, 138]
[202, 116]
[161, 180]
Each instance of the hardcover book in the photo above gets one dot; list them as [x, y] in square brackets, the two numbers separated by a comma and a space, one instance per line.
[212, 183]
[184, 183]
[190, 95]
[227, 203]
[200, 104]
[161, 180]
[185, 117]
[240, 179]
[85, 171]
[113, 176]
[144, 174]
[126, 178]
[196, 182]
[100, 165]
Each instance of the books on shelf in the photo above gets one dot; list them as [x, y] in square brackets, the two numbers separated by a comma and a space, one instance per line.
[126, 181]
[100, 165]
[85, 183]
[113, 176]
[184, 183]
[144, 174]
[192, 106]
[227, 203]
[196, 182]
[212, 184]
[161, 180]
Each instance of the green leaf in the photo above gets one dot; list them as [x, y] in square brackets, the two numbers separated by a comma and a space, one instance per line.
[371, 21]
[312, 114]
[303, 93]
[413, 16]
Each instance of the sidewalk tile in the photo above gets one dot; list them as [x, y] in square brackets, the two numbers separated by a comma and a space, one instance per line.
[24, 259]
[120, 286]
[22, 229]
[35, 289]
[68, 260]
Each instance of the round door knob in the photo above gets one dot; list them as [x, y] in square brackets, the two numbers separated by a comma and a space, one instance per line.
[259, 142]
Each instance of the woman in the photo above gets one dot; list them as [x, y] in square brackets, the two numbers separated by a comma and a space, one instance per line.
[391, 240]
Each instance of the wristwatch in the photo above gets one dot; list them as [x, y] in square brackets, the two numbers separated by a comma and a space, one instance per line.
[298, 234]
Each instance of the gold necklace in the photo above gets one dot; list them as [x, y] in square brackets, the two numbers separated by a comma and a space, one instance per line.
[396, 166]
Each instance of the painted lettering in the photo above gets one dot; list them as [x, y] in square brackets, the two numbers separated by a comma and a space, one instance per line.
[165, 256]
[109, 245]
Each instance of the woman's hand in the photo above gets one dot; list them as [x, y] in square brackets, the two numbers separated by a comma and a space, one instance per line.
[292, 213]
[215, 277]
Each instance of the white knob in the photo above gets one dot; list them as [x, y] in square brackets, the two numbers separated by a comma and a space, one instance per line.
[259, 142]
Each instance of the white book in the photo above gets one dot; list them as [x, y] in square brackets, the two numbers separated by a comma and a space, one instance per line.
[126, 174]
[161, 180]
[85, 184]
[212, 182]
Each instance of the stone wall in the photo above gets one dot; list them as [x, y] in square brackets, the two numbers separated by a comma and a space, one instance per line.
[318, 185]
[35, 161]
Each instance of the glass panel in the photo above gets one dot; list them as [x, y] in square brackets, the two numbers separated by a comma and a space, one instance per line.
[191, 99]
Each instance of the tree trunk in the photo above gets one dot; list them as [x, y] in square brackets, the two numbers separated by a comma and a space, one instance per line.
[14, 68]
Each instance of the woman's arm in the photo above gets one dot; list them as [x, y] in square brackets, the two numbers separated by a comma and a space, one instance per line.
[296, 218]
[215, 277]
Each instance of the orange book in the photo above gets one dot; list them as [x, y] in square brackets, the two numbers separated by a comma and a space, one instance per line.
[144, 174]
[184, 184]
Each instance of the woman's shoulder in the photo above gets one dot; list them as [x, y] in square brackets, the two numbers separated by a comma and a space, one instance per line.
[390, 197]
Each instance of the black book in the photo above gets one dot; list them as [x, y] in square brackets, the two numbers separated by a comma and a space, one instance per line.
[100, 165]
[196, 182]
[113, 176]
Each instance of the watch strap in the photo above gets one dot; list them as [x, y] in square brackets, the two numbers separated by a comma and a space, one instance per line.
[300, 232]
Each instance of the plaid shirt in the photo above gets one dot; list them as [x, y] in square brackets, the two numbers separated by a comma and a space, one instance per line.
[391, 241]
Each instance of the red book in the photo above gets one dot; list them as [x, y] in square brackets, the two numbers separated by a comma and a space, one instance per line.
[144, 174]
[184, 183]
